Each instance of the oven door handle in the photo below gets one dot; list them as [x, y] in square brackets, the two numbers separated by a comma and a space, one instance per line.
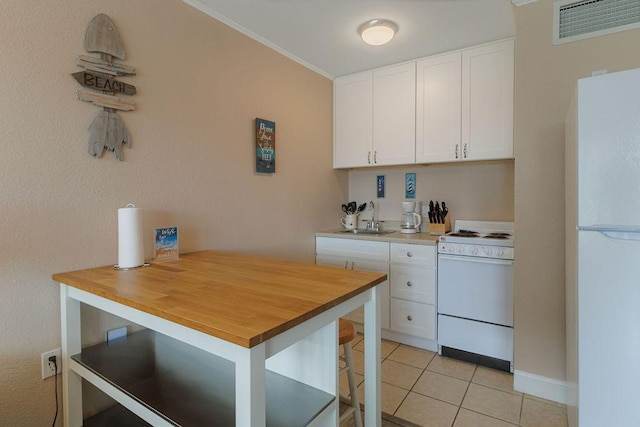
[475, 259]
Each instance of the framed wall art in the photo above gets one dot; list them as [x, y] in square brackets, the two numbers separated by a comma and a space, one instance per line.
[410, 185]
[265, 146]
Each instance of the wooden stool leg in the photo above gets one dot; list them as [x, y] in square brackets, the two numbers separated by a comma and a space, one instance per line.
[353, 389]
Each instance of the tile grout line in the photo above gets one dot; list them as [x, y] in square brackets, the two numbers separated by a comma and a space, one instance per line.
[521, 409]
[464, 395]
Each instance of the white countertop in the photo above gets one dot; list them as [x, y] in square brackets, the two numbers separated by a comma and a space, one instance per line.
[422, 238]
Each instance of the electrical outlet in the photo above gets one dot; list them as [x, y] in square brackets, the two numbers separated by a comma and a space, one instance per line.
[48, 368]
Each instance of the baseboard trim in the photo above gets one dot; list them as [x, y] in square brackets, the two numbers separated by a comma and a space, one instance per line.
[539, 386]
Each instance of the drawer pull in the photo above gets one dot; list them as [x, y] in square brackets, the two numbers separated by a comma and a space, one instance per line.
[409, 318]
[409, 254]
[409, 284]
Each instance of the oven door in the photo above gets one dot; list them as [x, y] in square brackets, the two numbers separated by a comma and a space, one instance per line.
[476, 288]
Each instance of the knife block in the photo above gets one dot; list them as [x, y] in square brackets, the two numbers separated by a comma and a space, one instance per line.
[440, 229]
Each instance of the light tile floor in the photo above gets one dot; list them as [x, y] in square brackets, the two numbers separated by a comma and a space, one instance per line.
[429, 390]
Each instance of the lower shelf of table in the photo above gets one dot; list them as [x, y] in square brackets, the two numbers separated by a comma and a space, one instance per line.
[190, 387]
[115, 416]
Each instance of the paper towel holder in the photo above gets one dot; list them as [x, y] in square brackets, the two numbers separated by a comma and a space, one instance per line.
[117, 267]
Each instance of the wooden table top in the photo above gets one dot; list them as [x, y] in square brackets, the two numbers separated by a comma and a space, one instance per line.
[240, 298]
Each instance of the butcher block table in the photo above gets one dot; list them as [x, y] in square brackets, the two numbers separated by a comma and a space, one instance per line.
[230, 339]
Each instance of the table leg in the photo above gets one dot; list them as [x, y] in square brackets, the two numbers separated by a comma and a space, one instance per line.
[250, 387]
[372, 370]
[71, 344]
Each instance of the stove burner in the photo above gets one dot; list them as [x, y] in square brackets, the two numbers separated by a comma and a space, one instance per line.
[464, 233]
[498, 236]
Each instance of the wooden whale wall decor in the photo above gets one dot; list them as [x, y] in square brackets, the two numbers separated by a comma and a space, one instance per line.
[107, 131]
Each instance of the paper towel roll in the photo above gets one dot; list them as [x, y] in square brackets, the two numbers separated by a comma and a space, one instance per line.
[130, 239]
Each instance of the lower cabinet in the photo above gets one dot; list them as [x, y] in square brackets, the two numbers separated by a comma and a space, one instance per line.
[413, 318]
[409, 311]
[357, 255]
[413, 291]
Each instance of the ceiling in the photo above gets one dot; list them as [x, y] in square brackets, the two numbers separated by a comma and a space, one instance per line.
[321, 34]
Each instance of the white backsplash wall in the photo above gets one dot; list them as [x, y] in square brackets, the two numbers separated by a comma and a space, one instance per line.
[476, 191]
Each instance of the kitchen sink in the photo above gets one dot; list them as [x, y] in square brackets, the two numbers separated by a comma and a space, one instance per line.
[366, 232]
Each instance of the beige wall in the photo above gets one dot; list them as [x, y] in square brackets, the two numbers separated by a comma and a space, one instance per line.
[477, 191]
[200, 87]
[545, 79]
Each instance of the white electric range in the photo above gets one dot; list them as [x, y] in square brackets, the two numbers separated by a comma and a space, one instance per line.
[475, 293]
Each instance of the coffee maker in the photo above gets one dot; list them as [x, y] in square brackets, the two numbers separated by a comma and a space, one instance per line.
[409, 220]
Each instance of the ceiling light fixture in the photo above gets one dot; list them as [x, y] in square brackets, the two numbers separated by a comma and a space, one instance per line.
[377, 32]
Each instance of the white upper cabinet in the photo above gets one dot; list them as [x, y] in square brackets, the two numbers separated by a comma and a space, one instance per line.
[465, 105]
[394, 115]
[438, 108]
[487, 101]
[446, 108]
[353, 120]
[374, 116]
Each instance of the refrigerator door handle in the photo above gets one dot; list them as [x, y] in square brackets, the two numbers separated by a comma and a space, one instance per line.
[615, 232]
[622, 235]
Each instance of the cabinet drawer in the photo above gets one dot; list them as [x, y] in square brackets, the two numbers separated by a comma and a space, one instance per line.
[413, 283]
[413, 318]
[423, 255]
[353, 248]
[353, 264]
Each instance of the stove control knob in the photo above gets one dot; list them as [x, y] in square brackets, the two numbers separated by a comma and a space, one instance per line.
[474, 250]
[499, 252]
[489, 251]
[461, 249]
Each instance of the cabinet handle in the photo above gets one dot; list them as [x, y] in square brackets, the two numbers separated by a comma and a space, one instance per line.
[409, 284]
[353, 264]
[464, 150]
[375, 156]
[409, 318]
[346, 264]
[369, 157]
[456, 151]
[409, 254]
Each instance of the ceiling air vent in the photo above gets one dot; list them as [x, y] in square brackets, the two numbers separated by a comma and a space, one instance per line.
[575, 20]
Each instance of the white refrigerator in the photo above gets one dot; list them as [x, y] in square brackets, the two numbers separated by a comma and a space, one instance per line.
[603, 251]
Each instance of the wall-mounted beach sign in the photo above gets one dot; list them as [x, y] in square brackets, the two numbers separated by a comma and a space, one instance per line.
[265, 146]
[107, 131]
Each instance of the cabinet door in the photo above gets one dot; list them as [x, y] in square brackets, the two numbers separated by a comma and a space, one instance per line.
[394, 115]
[365, 265]
[353, 120]
[438, 108]
[487, 102]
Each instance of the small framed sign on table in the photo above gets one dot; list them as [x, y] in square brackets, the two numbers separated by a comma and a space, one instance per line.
[166, 244]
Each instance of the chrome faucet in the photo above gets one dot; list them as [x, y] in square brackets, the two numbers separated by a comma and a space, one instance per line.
[373, 225]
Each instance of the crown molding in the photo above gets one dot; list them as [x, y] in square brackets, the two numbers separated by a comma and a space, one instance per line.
[202, 7]
[521, 2]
